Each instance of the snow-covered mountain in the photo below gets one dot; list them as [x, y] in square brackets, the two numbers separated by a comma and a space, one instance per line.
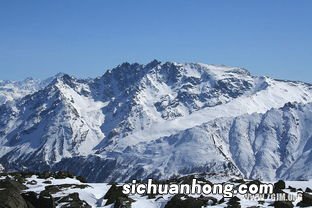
[160, 120]
[12, 90]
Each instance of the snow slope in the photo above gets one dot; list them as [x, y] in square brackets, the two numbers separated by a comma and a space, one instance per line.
[276, 144]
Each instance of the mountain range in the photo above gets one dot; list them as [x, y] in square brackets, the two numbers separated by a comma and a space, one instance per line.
[158, 120]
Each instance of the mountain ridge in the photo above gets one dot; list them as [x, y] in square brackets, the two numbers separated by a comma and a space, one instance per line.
[105, 120]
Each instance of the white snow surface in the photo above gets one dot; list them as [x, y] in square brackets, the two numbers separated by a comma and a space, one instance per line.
[275, 96]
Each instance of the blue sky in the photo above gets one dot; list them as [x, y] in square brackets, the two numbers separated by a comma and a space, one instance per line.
[84, 38]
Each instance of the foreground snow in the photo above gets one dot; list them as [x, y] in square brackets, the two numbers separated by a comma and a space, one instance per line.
[94, 193]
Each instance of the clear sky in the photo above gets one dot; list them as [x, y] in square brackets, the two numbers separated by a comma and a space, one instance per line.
[84, 38]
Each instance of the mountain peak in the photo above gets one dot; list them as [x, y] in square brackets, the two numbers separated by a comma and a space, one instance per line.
[61, 78]
[153, 63]
[136, 116]
[64, 77]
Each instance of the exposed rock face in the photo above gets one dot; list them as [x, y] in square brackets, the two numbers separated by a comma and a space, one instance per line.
[14, 192]
[10, 194]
